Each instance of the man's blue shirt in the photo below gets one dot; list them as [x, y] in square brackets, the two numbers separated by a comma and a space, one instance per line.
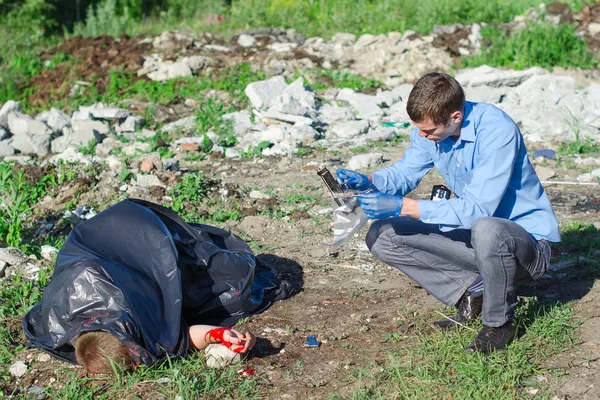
[487, 169]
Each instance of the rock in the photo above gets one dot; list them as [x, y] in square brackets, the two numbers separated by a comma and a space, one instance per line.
[147, 166]
[495, 77]
[136, 148]
[364, 106]
[544, 173]
[147, 181]
[255, 194]
[388, 98]
[6, 148]
[32, 144]
[484, 94]
[241, 121]
[55, 119]
[8, 107]
[167, 71]
[246, 40]
[263, 94]
[44, 357]
[593, 29]
[587, 161]
[18, 369]
[4, 134]
[329, 114]
[3, 266]
[48, 253]
[282, 47]
[172, 41]
[296, 99]
[365, 161]
[23, 124]
[170, 164]
[131, 124]
[596, 173]
[587, 177]
[190, 147]
[349, 129]
[562, 265]
[100, 111]
[219, 356]
[80, 134]
[232, 153]
[197, 63]
[182, 124]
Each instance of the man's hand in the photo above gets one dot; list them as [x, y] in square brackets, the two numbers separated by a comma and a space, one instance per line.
[355, 180]
[380, 205]
[240, 343]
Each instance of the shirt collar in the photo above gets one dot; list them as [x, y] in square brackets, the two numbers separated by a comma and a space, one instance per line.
[467, 130]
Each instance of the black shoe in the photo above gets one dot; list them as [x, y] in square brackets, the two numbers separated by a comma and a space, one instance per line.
[469, 308]
[490, 338]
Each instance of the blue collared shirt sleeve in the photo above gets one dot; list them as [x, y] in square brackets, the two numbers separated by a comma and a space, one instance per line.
[403, 176]
[494, 162]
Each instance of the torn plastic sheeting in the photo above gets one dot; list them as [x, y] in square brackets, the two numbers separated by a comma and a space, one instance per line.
[138, 271]
[347, 220]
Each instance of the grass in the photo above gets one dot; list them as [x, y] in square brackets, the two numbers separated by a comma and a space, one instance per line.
[543, 45]
[433, 365]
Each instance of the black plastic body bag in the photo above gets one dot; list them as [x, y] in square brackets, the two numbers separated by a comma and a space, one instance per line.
[138, 271]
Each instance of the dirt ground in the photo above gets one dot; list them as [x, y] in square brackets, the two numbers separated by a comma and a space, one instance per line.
[349, 301]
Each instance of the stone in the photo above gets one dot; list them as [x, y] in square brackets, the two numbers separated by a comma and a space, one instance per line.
[18, 369]
[344, 38]
[6, 148]
[587, 177]
[170, 164]
[4, 133]
[55, 119]
[495, 77]
[263, 94]
[329, 114]
[147, 181]
[562, 265]
[197, 63]
[3, 266]
[593, 29]
[173, 41]
[596, 173]
[48, 253]
[219, 356]
[31, 144]
[241, 121]
[296, 99]
[136, 148]
[190, 147]
[349, 129]
[245, 40]
[100, 111]
[544, 173]
[167, 71]
[232, 153]
[255, 194]
[8, 107]
[12, 255]
[484, 94]
[23, 124]
[44, 357]
[131, 124]
[388, 98]
[283, 47]
[365, 161]
[186, 123]
[364, 106]
[147, 166]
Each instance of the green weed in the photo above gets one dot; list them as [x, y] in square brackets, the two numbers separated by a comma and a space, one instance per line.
[256, 151]
[90, 148]
[544, 45]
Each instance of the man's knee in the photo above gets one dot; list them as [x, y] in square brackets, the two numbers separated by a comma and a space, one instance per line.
[487, 233]
[375, 231]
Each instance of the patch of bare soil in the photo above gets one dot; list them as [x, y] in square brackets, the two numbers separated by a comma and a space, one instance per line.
[94, 58]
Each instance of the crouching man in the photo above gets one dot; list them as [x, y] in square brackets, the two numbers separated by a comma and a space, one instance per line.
[468, 251]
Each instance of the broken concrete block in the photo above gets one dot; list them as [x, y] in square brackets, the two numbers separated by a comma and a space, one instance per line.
[263, 94]
[7, 108]
[23, 124]
[99, 111]
[365, 161]
[296, 99]
[131, 124]
[6, 148]
[55, 119]
[181, 124]
[168, 71]
[349, 129]
[31, 144]
[246, 40]
[219, 356]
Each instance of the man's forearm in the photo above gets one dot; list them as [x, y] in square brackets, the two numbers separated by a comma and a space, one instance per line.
[410, 208]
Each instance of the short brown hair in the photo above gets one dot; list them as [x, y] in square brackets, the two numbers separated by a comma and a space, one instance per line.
[435, 96]
[96, 349]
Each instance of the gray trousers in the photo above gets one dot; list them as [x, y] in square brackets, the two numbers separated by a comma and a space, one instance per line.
[446, 263]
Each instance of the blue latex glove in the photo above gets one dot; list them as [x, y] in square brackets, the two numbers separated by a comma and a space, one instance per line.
[355, 180]
[380, 205]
